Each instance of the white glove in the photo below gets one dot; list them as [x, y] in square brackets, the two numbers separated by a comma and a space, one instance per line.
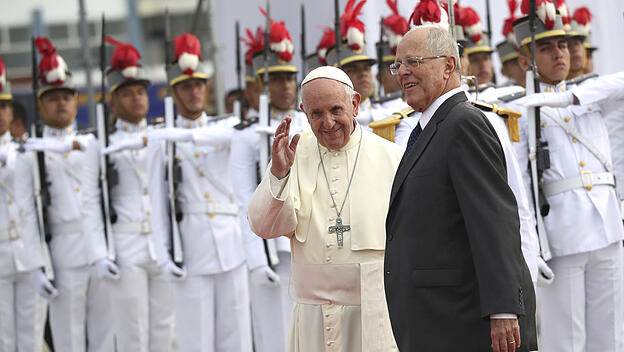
[48, 145]
[174, 271]
[107, 270]
[42, 284]
[128, 143]
[555, 100]
[172, 134]
[545, 275]
[265, 276]
[266, 130]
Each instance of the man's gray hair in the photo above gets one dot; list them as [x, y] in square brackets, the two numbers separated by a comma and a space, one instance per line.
[439, 41]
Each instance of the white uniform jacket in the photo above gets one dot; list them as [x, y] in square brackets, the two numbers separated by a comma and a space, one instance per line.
[140, 198]
[74, 213]
[20, 247]
[211, 238]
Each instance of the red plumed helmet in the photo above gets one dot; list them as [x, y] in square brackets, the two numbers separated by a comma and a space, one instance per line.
[582, 16]
[351, 28]
[327, 41]
[472, 24]
[52, 68]
[562, 7]
[545, 10]
[426, 12]
[3, 76]
[187, 52]
[279, 40]
[254, 44]
[125, 58]
[395, 25]
[508, 24]
[456, 11]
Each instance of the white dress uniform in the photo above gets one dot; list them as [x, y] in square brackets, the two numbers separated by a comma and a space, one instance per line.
[22, 309]
[212, 302]
[271, 304]
[582, 309]
[141, 298]
[81, 312]
[370, 111]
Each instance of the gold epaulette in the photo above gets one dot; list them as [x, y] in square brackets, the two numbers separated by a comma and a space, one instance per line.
[386, 128]
[511, 118]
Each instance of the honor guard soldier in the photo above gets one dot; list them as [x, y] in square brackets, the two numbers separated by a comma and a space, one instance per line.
[356, 62]
[479, 52]
[211, 296]
[22, 308]
[394, 27]
[81, 311]
[582, 308]
[141, 298]
[271, 303]
[508, 50]
[254, 44]
[581, 20]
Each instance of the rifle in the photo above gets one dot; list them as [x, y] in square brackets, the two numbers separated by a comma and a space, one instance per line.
[539, 157]
[174, 170]
[238, 105]
[337, 30]
[42, 194]
[303, 44]
[265, 146]
[380, 58]
[108, 175]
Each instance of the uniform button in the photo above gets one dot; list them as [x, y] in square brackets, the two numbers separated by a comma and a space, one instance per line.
[387, 273]
[543, 125]
[10, 202]
[200, 123]
[327, 260]
[548, 89]
[589, 108]
[206, 195]
[566, 119]
[327, 315]
[148, 213]
[332, 206]
[574, 140]
[335, 167]
[145, 192]
[329, 343]
[582, 163]
[333, 193]
[197, 155]
[12, 221]
[334, 179]
[328, 245]
[77, 189]
[336, 154]
[332, 219]
[66, 155]
[188, 125]
[201, 174]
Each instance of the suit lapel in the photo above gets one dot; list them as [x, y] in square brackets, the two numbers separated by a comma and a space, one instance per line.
[408, 161]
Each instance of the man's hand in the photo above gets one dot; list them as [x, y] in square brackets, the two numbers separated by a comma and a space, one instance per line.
[505, 334]
[555, 100]
[283, 152]
[107, 270]
[174, 272]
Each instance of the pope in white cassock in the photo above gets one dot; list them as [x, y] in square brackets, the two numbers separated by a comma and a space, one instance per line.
[328, 191]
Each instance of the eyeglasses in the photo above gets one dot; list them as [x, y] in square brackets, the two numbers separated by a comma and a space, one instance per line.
[412, 62]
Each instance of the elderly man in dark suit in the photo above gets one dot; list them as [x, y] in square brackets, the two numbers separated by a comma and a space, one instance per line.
[455, 277]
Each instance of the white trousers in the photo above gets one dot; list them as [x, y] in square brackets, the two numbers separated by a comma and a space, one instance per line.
[142, 309]
[22, 314]
[212, 312]
[582, 310]
[271, 307]
[80, 316]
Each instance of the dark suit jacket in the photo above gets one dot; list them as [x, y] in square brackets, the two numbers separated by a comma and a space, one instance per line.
[453, 252]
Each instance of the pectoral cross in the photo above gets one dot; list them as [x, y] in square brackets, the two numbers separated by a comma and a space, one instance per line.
[339, 229]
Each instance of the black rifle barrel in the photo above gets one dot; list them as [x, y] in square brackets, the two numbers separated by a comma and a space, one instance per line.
[337, 30]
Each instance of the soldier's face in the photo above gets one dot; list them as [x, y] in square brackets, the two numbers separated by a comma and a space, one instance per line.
[6, 115]
[282, 89]
[58, 108]
[389, 82]
[481, 66]
[330, 111]
[252, 94]
[513, 70]
[552, 58]
[577, 54]
[465, 64]
[192, 96]
[361, 75]
[130, 102]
